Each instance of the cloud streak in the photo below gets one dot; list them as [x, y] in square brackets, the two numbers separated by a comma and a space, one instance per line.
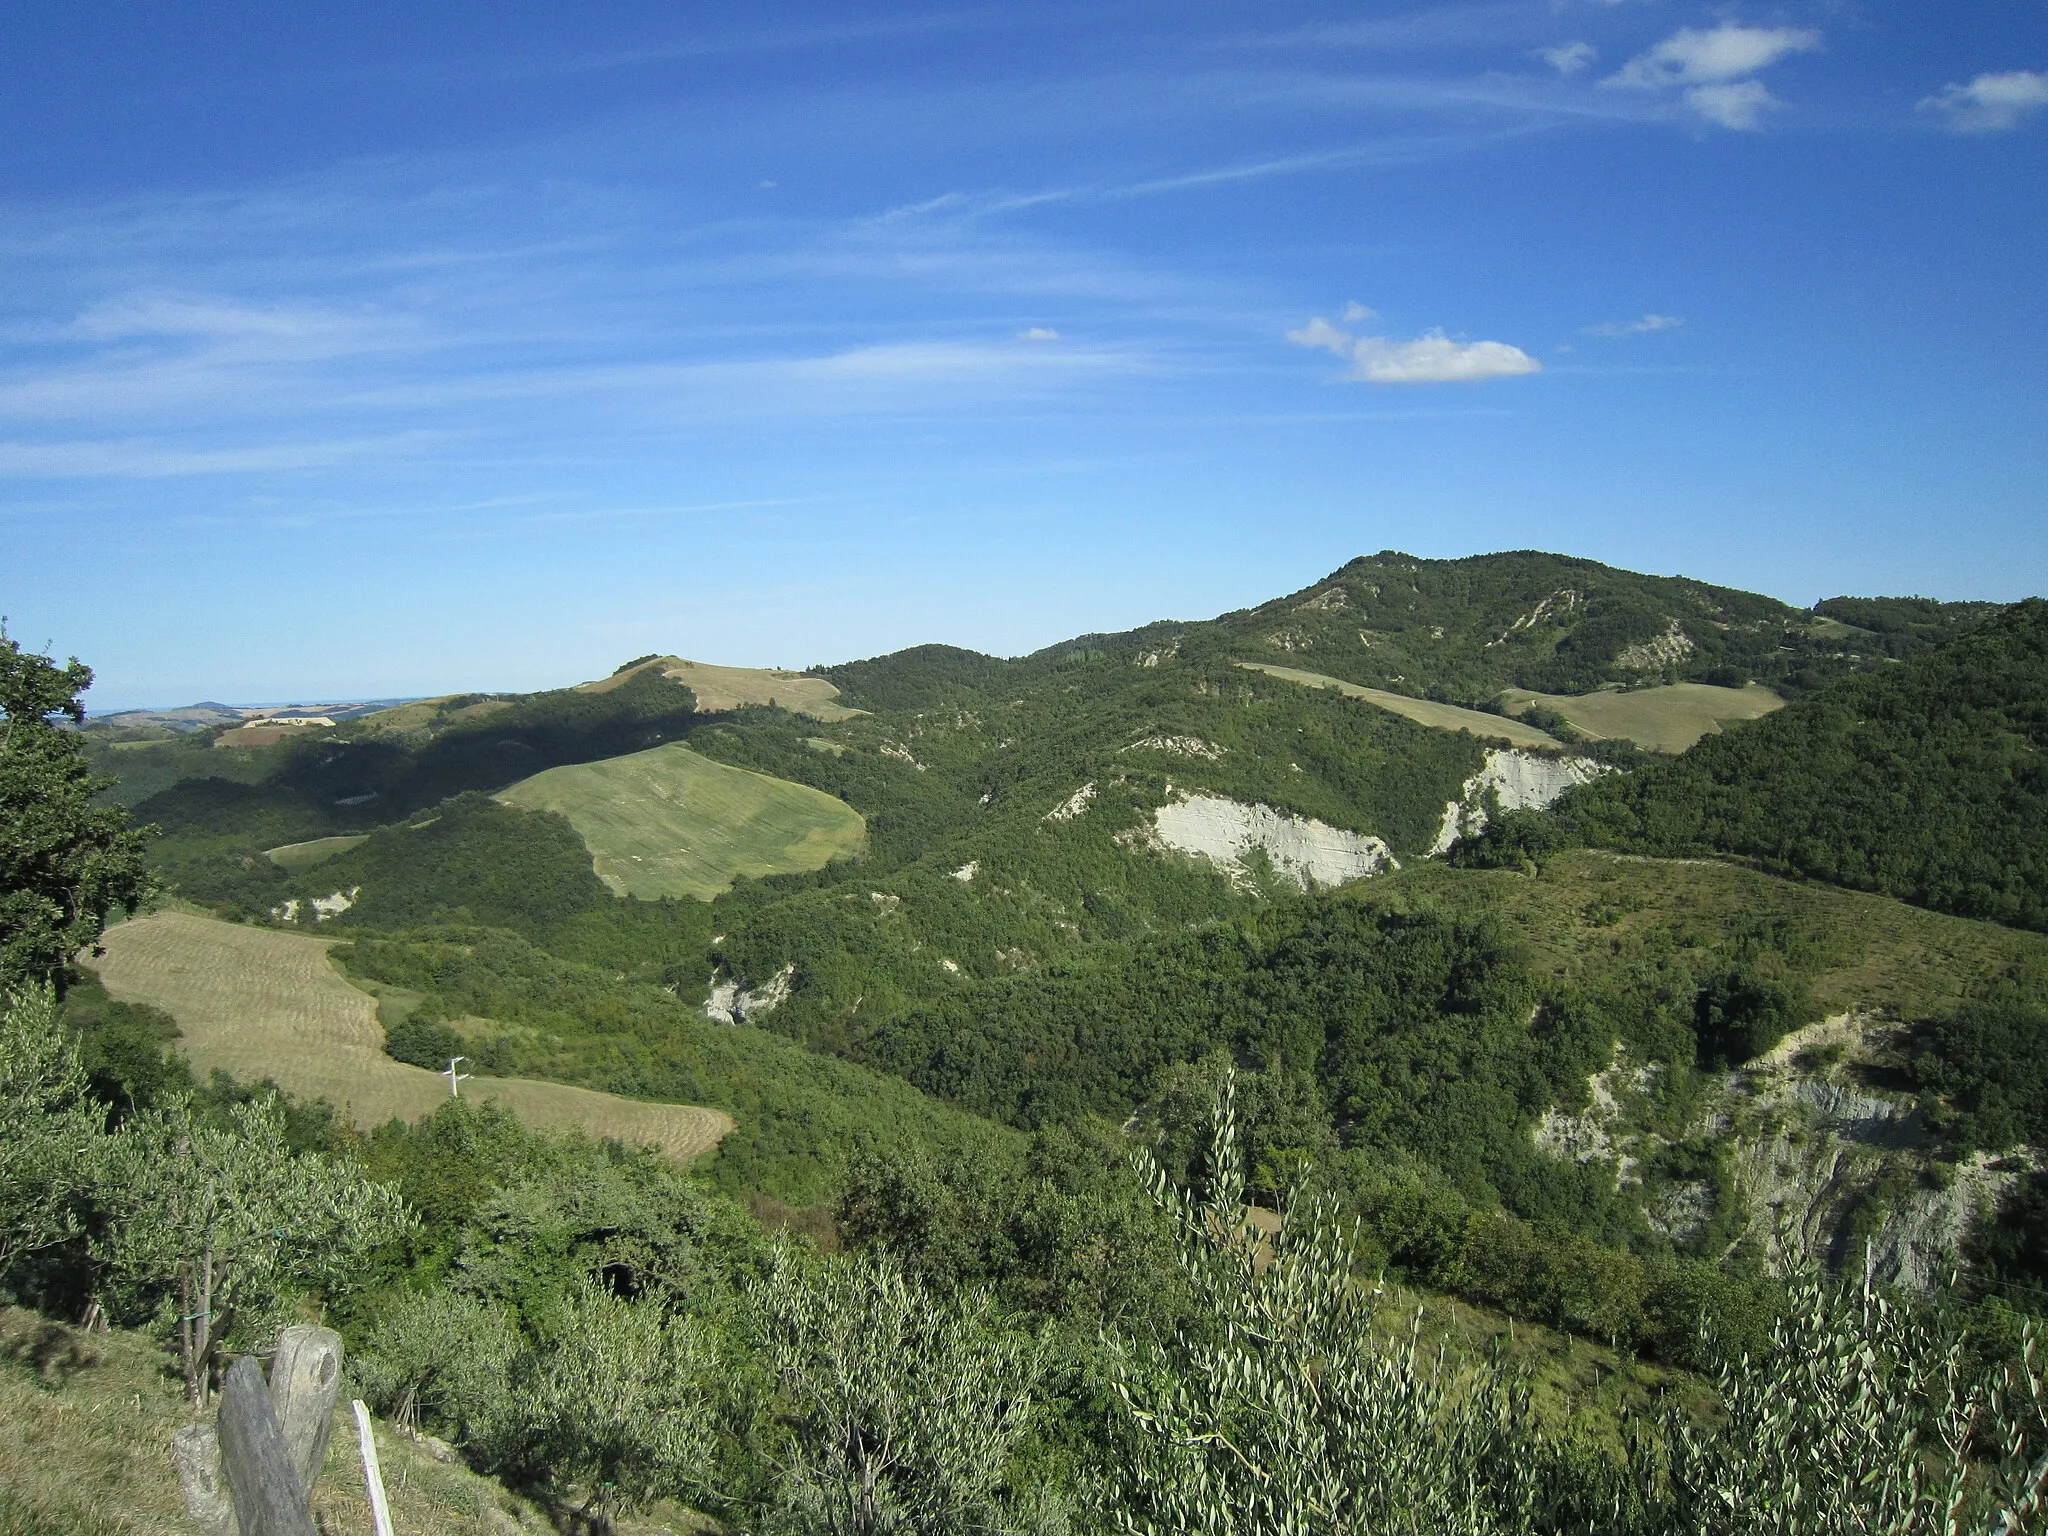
[1641, 327]
[1431, 358]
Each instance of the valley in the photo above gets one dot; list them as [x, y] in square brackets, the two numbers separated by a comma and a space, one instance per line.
[1728, 968]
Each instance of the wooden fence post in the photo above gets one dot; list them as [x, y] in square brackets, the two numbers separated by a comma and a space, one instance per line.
[269, 1498]
[305, 1376]
[195, 1451]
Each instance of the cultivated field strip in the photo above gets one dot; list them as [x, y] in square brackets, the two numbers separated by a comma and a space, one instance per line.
[258, 1004]
[1444, 717]
[1668, 718]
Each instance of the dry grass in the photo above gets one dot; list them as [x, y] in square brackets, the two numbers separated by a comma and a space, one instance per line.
[85, 1450]
[668, 822]
[300, 857]
[1444, 717]
[733, 687]
[257, 1004]
[1666, 719]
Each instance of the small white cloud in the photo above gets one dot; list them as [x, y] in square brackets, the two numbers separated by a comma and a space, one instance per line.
[1711, 69]
[1991, 103]
[1039, 333]
[1697, 56]
[1738, 104]
[1431, 358]
[1568, 58]
[1642, 327]
[1356, 313]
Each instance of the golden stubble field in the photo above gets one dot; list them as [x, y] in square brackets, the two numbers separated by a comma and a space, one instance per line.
[257, 1003]
[720, 688]
[1443, 717]
[1669, 718]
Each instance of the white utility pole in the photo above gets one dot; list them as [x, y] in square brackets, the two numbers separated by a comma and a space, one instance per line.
[456, 1079]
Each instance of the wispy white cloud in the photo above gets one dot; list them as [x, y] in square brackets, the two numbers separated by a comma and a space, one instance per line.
[1991, 103]
[1568, 58]
[1431, 358]
[1640, 327]
[1038, 333]
[1713, 69]
[142, 459]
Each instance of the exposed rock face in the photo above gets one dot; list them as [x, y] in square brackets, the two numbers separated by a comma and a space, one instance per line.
[323, 907]
[1648, 655]
[1073, 805]
[1310, 853]
[730, 1004]
[1517, 780]
[1822, 1164]
[1179, 746]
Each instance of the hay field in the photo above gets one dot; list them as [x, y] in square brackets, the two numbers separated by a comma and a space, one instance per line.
[300, 857]
[257, 1003]
[1444, 717]
[667, 822]
[1665, 719]
[731, 687]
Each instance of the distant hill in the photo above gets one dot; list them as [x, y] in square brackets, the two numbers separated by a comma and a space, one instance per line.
[1463, 631]
[722, 688]
[1925, 780]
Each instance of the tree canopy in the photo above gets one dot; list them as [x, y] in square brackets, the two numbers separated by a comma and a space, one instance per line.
[65, 863]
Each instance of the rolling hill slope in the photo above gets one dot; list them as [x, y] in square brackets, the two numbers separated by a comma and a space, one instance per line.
[668, 822]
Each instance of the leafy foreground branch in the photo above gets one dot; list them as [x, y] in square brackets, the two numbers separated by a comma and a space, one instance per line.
[1285, 1411]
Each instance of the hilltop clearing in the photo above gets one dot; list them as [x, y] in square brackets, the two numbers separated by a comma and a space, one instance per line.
[297, 858]
[1925, 780]
[668, 822]
[727, 688]
[1667, 718]
[1444, 717]
[258, 1004]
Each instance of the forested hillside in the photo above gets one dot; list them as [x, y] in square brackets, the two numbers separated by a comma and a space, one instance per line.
[1465, 630]
[1925, 780]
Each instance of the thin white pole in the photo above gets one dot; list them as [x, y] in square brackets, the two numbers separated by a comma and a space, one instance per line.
[373, 1479]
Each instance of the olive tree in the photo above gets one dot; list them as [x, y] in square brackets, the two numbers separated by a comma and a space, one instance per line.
[50, 1127]
[905, 1408]
[223, 1220]
[616, 1399]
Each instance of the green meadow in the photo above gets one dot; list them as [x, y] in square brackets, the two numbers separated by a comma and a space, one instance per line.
[668, 822]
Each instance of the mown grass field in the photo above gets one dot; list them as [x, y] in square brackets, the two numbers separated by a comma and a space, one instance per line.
[1444, 717]
[1666, 719]
[258, 1004]
[668, 822]
[720, 688]
[300, 857]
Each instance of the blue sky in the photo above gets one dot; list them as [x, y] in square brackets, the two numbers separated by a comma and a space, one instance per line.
[379, 350]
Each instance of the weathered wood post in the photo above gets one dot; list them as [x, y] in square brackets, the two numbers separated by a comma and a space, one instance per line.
[269, 1498]
[195, 1451]
[252, 1470]
[305, 1376]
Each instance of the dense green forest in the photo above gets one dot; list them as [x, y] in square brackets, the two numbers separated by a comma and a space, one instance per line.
[1464, 630]
[1925, 780]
